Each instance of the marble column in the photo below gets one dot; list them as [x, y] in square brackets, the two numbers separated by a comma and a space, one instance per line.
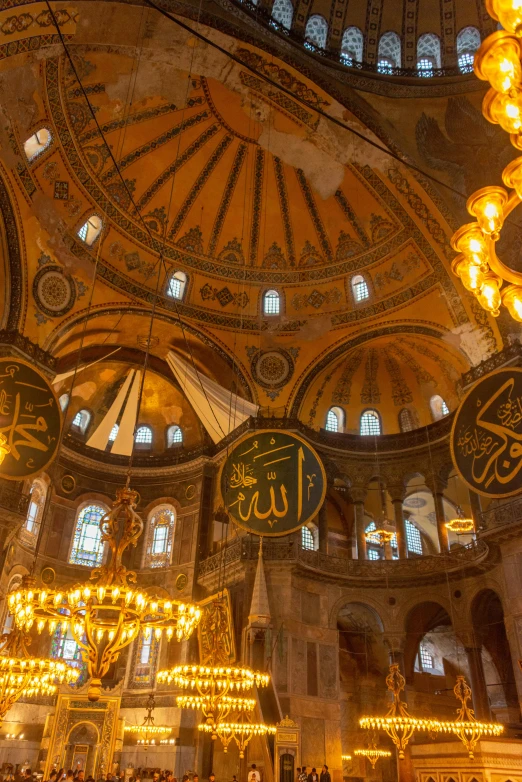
[476, 508]
[400, 526]
[360, 529]
[442, 531]
[323, 529]
[478, 683]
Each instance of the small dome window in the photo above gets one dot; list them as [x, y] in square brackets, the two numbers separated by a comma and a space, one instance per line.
[90, 230]
[177, 285]
[271, 303]
[37, 143]
[428, 53]
[438, 406]
[389, 53]
[114, 433]
[360, 288]
[334, 420]
[81, 421]
[63, 401]
[307, 539]
[283, 12]
[143, 436]
[370, 423]
[406, 423]
[468, 41]
[316, 32]
[352, 46]
[174, 436]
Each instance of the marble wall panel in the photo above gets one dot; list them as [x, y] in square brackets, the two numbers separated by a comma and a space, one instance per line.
[298, 666]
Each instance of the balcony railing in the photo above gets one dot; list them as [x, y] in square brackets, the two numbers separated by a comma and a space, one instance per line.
[339, 567]
[13, 500]
[502, 515]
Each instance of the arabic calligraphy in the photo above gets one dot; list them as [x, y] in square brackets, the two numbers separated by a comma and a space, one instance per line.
[273, 482]
[486, 439]
[30, 419]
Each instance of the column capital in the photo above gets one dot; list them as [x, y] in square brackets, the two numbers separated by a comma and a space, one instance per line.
[358, 493]
[396, 642]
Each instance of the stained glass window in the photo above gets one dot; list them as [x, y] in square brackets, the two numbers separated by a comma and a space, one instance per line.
[87, 547]
[390, 50]
[282, 12]
[316, 31]
[160, 537]
[145, 660]
[352, 45]
[64, 647]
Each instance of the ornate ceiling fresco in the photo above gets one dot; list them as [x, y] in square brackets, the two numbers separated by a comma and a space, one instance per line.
[232, 180]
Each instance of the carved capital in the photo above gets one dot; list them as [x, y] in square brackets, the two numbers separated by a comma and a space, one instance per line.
[358, 493]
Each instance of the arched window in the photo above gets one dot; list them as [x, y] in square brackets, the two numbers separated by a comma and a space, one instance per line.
[360, 288]
[87, 548]
[81, 421]
[370, 423]
[160, 537]
[64, 647]
[271, 303]
[6, 624]
[335, 419]
[283, 12]
[406, 422]
[374, 550]
[307, 539]
[143, 436]
[468, 41]
[37, 143]
[352, 46]
[114, 433]
[413, 538]
[63, 401]
[35, 511]
[90, 230]
[389, 54]
[428, 53]
[174, 436]
[145, 659]
[316, 31]
[438, 406]
[177, 285]
[426, 658]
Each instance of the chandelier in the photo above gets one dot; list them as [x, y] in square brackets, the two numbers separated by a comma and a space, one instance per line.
[460, 526]
[219, 709]
[478, 266]
[106, 614]
[466, 727]
[148, 729]
[346, 757]
[397, 723]
[242, 732]
[25, 676]
[373, 754]
[381, 535]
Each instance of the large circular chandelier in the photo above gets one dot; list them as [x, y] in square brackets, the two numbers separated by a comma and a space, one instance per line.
[148, 730]
[498, 61]
[213, 709]
[24, 676]
[373, 753]
[107, 613]
[241, 731]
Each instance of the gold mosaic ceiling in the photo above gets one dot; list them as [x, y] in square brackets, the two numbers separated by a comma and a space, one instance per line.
[238, 184]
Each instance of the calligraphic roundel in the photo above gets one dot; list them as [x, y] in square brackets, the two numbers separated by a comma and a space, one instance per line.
[30, 420]
[486, 437]
[273, 482]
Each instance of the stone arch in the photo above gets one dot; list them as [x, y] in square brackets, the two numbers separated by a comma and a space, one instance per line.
[361, 639]
[421, 618]
[372, 604]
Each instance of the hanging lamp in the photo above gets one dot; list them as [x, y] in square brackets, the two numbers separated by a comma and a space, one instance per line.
[466, 727]
[372, 753]
[148, 730]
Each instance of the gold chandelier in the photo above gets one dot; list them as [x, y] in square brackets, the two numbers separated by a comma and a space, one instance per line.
[346, 757]
[460, 525]
[397, 723]
[478, 266]
[25, 676]
[241, 731]
[373, 753]
[107, 615]
[466, 727]
[213, 709]
[381, 535]
[148, 729]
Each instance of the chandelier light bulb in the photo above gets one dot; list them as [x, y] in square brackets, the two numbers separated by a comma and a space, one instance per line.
[471, 275]
[487, 205]
[498, 61]
[489, 295]
[512, 176]
[508, 13]
[512, 299]
[470, 241]
[504, 110]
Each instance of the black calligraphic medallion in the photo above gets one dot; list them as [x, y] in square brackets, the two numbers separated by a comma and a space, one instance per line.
[30, 420]
[273, 482]
[486, 438]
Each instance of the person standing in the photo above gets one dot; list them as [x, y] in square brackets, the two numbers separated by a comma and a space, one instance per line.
[303, 776]
[253, 774]
[313, 776]
[325, 775]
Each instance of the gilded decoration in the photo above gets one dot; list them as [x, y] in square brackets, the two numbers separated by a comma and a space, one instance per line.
[54, 291]
[272, 369]
[216, 631]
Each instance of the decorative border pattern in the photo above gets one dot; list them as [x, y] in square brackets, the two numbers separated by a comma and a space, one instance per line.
[285, 209]
[352, 217]
[259, 169]
[314, 214]
[226, 198]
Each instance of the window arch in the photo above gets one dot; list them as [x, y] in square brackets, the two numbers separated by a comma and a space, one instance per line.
[63, 401]
[35, 511]
[335, 419]
[316, 31]
[370, 423]
[37, 143]
[352, 45]
[177, 284]
[468, 41]
[389, 53]
[428, 48]
[413, 537]
[406, 422]
[160, 537]
[143, 436]
[438, 406]
[81, 421]
[114, 433]
[360, 288]
[8, 619]
[145, 659]
[87, 548]
[307, 539]
[90, 230]
[271, 303]
[174, 436]
[64, 647]
[283, 12]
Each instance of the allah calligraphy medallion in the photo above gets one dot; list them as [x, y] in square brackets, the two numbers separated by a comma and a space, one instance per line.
[273, 482]
[486, 438]
[30, 419]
